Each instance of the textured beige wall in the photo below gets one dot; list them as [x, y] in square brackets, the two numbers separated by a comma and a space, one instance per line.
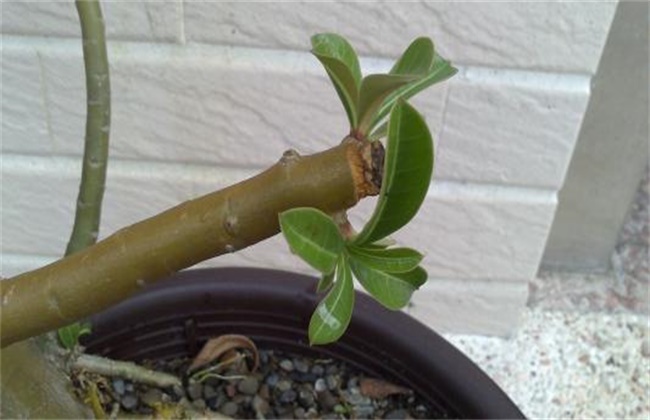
[207, 93]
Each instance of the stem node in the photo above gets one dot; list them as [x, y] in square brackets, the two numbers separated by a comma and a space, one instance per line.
[289, 157]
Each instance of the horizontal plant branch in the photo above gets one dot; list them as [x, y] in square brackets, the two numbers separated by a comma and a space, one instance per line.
[224, 221]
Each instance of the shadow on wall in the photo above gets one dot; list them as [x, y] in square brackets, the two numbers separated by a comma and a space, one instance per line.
[630, 258]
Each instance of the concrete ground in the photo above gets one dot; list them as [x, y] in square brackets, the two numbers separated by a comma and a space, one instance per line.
[583, 346]
[570, 364]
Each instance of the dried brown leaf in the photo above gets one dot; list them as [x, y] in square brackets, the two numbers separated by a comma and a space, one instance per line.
[216, 348]
[378, 388]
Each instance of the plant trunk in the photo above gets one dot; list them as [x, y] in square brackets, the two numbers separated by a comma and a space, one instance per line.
[34, 384]
[224, 221]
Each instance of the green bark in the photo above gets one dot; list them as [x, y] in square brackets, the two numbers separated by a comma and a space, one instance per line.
[35, 385]
[224, 221]
[98, 119]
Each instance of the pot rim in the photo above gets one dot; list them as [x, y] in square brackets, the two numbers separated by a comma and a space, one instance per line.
[274, 307]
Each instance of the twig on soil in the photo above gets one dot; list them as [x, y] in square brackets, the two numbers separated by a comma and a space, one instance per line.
[126, 370]
[115, 411]
[211, 371]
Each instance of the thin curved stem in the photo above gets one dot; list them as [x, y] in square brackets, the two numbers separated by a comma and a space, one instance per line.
[98, 118]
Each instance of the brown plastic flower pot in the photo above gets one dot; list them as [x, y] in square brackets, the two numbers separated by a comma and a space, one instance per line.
[173, 318]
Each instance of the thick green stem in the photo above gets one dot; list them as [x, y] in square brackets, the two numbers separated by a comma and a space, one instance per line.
[98, 116]
[34, 385]
[224, 221]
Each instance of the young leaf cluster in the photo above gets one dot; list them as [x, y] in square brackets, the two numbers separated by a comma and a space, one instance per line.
[389, 275]
[70, 335]
[376, 107]
[368, 100]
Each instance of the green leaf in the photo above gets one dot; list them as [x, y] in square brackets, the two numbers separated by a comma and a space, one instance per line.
[407, 174]
[374, 89]
[393, 290]
[441, 70]
[335, 46]
[383, 243]
[325, 282]
[394, 260]
[416, 277]
[313, 236]
[416, 59]
[69, 335]
[342, 65]
[379, 132]
[332, 315]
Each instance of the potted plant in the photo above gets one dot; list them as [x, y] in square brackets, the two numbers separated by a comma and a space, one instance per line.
[304, 197]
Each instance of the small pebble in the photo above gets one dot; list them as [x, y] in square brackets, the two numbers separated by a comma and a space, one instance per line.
[229, 409]
[318, 370]
[199, 404]
[283, 385]
[249, 385]
[306, 398]
[353, 390]
[288, 396]
[299, 413]
[209, 392]
[286, 365]
[364, 411]
[264, 392]
[129, 402]
[272, 379]
[326, 400]
[320, 385]
[152, 396]
[357, 399]
[242, 399]
[261, 406]
[283, 412]
[231, 390]
[215, 402]
[128, 386]
[332, 369]
[421, 408]
[178, 391]
[399, 414]
[195, 390]
[339, 409]
[302, 377]
[300, 365]
[332, 382]
[118, 386]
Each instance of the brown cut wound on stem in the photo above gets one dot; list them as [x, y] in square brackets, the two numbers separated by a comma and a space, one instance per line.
[367, 164]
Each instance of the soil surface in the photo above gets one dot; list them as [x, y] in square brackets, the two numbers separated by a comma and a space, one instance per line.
[283, 386]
